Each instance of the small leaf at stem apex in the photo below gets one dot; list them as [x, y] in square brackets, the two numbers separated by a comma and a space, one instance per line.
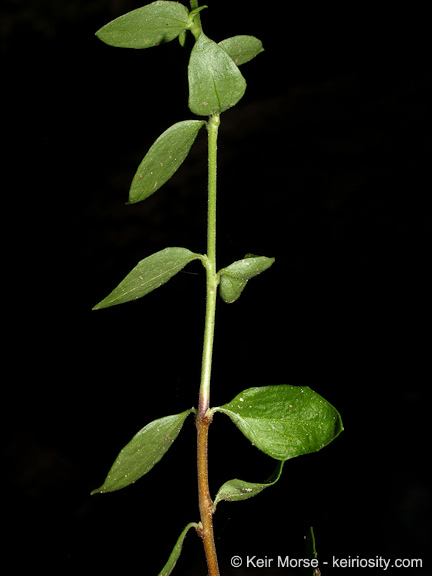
[151, 25]
[148, 275]
[235, 490]
[242, 49]
[176, 551]
[196, 11]
[284, 421]
[163, 159]
[215, 82]
[145, 449]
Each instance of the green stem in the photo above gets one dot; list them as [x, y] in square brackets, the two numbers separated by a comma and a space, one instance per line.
[196, 27]
[211, 275]
[204, 419]
[194, 4]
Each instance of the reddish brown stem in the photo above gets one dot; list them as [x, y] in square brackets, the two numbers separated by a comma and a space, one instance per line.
[205, 501]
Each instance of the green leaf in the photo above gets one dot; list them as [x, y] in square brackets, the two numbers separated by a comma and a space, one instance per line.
[215, 82]
[151, 25]
[235, 490]
[145, 449]
[231, 288]
[163, 159]
[241, 49]
[148, 275]
[234, 277]
[196, 11]
[247, 268]
[284, 421]
[182, 38]
[174, 556]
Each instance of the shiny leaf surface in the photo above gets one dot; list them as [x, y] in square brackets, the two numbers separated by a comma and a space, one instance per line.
[284, 421]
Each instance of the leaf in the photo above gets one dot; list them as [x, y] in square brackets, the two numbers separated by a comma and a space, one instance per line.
[163, 159]
[241, 49]
[235, 490]
[284, 421]
[215, 82]
[148, 275]
[196, 11]
[182, 38]
[145, 449]
[151, 25]
[231, 288]
[234, 277]
[247, 268]
[174, 556]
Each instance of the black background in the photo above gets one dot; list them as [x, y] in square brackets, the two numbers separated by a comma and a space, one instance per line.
[324, 164]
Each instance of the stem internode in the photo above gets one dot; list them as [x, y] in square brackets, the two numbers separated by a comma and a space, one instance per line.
[204, 419]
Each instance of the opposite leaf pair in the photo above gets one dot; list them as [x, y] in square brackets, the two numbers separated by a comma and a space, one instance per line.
[282, 421]
[160, 267]
[215, 82]
[211, 90]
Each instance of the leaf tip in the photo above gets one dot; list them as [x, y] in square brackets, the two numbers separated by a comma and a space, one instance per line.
[96, 491]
